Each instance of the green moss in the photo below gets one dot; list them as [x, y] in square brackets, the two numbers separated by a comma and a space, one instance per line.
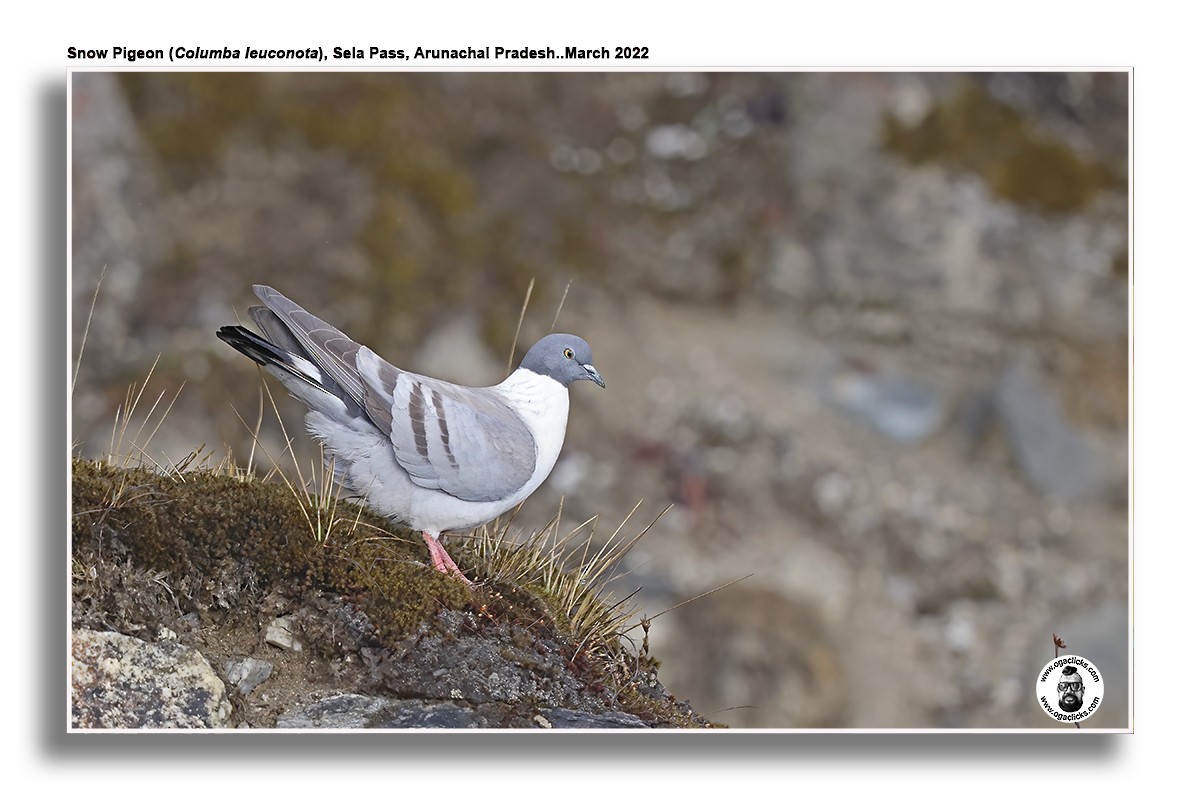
[199, 535]
[195, 527]
[974, 131]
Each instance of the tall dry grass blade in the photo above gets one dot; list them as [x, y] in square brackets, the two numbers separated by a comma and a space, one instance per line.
[122, 448]
[146, 420]
[163, 418]
[561, 303]
[286, 437]
[112, 439]
[87, 327]
[257, 429]
[320, 506]
[691, 599]
[572, 572]
[177, 468]
[125, 415]
[520, 320]
[275, 465]
[625, 548]
[326, 499]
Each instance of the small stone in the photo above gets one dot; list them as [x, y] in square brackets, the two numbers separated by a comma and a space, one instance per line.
[279, 634]
[247, 673]
[361, 711]
[570, 718]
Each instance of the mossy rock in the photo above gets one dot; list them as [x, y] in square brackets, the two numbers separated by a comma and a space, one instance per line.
[200, 523]
[149, 549]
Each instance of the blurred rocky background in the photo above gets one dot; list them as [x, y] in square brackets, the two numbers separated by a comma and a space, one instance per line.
[867, 332]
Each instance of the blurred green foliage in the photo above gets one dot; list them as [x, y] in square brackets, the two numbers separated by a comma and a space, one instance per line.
[974, 131]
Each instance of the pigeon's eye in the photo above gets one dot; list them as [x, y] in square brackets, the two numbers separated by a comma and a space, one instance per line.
[568, 353]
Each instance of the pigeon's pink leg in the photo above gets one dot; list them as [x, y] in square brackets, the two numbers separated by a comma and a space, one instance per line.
[442, 561]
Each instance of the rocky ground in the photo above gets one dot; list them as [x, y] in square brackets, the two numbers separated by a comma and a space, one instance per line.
[867, 333]
[205, 601]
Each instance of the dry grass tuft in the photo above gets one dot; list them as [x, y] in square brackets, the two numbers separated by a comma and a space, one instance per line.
[568, 572]
[571, 572]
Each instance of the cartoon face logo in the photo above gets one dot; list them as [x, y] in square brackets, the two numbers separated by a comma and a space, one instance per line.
[1070, 690]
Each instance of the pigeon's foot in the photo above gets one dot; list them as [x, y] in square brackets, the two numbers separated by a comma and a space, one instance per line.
[442, 561]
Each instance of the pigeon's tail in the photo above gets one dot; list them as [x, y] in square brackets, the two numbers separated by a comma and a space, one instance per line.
[303, 378]
[300, 376]
[272, 357]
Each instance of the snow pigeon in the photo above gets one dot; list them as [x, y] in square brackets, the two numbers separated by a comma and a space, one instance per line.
[431, 454]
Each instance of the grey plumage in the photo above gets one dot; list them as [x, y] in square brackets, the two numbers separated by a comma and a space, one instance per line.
[467, 444]
[433, 454]
[563, 357]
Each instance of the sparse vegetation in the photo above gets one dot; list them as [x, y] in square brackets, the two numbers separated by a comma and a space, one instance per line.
[153, 543]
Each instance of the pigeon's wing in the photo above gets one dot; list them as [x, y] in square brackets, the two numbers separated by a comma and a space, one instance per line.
[289, 326]
[466, 442]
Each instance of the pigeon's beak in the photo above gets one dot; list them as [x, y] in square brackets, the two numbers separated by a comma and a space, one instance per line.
[593, 375]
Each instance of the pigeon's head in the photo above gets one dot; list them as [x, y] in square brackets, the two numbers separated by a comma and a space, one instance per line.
[563, 357]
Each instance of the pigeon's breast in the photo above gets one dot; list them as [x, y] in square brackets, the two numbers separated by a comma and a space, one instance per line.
[543, 404]
[371, 468]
